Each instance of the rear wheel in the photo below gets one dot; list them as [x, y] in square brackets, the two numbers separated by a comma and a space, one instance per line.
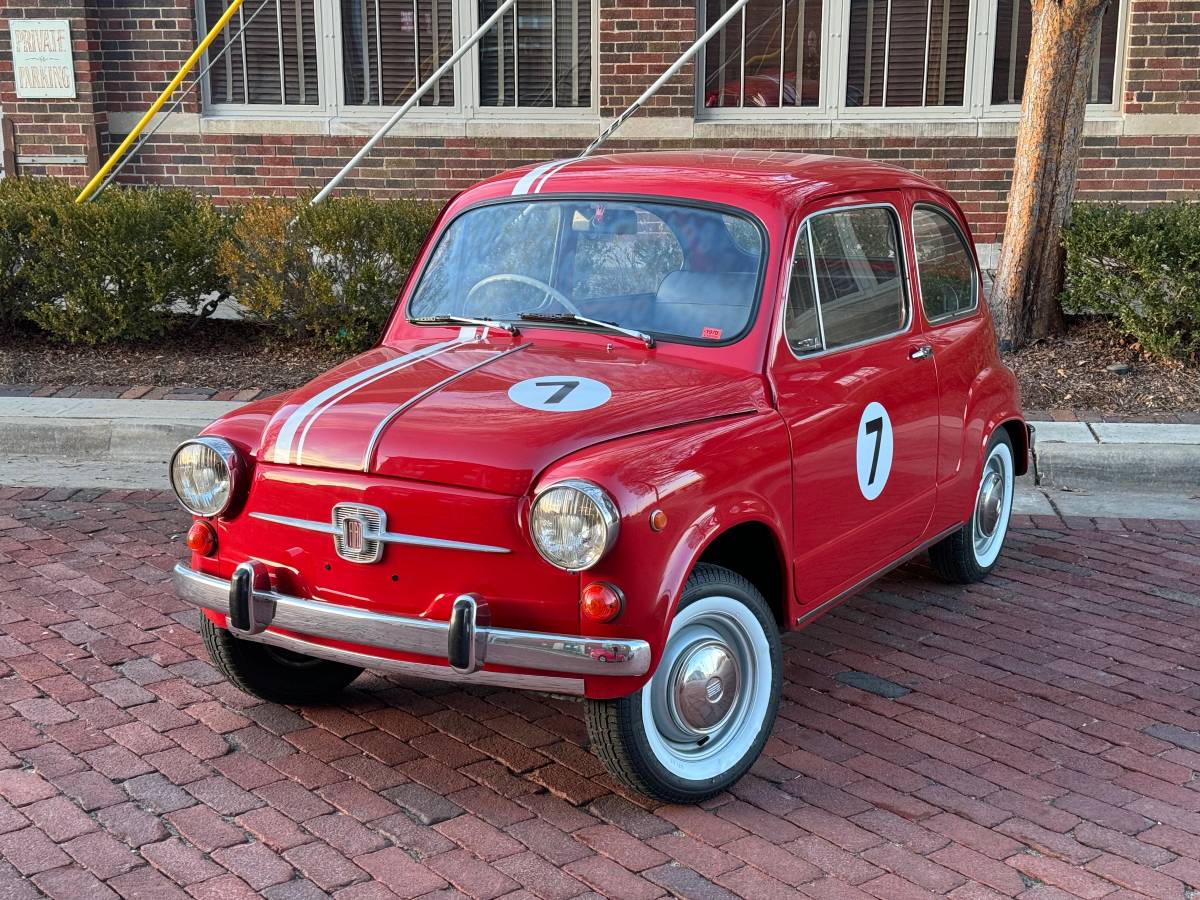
[702, 720]
[970, 553]
[273, 673]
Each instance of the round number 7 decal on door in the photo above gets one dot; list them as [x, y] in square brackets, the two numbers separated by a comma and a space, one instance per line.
[874, 450]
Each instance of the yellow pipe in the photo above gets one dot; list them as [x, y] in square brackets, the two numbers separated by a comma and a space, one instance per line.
[91, 186]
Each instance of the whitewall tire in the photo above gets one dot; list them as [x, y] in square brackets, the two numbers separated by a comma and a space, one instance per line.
[704, 716]
[970, 553]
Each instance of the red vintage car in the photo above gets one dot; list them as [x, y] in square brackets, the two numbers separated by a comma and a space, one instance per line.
[634, 417]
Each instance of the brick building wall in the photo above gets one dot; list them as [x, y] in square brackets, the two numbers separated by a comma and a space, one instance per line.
[1145, 149]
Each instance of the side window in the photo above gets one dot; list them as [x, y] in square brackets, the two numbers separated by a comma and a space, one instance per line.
[945, 268]
[857, 279]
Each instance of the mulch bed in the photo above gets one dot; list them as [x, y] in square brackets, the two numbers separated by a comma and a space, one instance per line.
[215, 354]
[216, 357]
[1071, 372]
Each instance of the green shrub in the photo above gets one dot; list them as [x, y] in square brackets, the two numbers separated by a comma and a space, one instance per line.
[118, 268]
[21, 201]
[329, 272]
[1141, 267]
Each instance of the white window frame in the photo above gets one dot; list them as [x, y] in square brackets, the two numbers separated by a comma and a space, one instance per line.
[331, 78]
[977, 75]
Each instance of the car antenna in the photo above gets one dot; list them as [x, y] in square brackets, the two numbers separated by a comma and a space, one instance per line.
[664, 77]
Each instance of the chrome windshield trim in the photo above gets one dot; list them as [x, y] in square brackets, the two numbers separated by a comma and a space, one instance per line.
[574, 654]
[412, 401]
[387, 537]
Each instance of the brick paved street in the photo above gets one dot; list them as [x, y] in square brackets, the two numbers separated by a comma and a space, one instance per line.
[1036, 736]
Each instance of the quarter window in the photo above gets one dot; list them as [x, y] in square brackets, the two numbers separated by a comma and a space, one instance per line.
[854, 275]
[945, 269]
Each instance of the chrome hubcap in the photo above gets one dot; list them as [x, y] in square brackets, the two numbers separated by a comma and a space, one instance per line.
[989, 521]
[987, 508]
[704, 687]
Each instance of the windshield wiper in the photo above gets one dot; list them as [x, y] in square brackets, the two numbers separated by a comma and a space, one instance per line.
[575, 319]
[467, 320]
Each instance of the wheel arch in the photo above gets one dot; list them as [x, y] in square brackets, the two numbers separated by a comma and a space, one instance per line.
[1018, 434]
[755, 551]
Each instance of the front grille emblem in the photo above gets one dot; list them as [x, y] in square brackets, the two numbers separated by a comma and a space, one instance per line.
[357, 532]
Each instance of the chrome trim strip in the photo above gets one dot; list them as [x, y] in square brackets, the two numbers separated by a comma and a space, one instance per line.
[574, 654]
[875, 576]
[388, 537]
[549, 684]
[377, 434]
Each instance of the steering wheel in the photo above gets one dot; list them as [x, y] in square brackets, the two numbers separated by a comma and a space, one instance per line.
[550, 291]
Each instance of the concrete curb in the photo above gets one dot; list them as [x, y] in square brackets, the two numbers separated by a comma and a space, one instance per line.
[98, 430]
[1101, 455]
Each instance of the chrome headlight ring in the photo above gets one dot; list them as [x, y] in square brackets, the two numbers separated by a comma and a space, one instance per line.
[206, 475]
[573, 524]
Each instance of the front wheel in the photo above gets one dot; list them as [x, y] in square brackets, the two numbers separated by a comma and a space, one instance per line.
[273, 673]
[969, 554]
[703, 718]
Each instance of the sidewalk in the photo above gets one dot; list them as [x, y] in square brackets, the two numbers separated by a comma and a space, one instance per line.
[1079, 468]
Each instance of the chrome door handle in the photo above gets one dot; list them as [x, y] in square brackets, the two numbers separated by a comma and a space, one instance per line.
[923, 352]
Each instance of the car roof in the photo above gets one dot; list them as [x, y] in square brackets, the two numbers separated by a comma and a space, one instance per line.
[737, 177]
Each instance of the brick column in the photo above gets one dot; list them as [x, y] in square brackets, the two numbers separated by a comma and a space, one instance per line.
[638, 40]
[57, 136]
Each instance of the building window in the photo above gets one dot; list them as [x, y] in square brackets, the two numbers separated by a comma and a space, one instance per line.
[907, 52]
[772, 50]
[849, 57]
[1013, 27]
[274, 60]
[540, 54]
[390, 48]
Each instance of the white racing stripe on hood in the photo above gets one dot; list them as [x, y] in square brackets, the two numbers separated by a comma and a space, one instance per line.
[321, 402]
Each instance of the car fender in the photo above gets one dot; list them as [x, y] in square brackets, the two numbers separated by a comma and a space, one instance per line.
[244, 426]
[707, 477]
[991, 402]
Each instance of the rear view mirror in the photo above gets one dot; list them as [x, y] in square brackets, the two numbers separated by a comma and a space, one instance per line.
[601, 219]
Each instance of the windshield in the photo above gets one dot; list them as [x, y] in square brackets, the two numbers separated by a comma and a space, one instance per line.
[672, 270]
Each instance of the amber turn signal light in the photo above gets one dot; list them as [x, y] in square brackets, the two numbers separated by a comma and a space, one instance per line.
[601, 602]
[202, 538]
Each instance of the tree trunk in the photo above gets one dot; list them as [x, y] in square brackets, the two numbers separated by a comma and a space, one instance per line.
[1029, 274]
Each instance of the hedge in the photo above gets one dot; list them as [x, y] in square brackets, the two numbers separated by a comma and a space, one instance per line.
[1142, 268]
[329, 272]
[123, 267]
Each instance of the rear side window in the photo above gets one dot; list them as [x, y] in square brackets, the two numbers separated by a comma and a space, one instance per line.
[847, 283]
[945, 267]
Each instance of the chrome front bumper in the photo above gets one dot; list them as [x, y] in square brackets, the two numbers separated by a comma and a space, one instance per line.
[467, 643]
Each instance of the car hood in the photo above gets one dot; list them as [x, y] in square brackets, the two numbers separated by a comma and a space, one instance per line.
[492, 414]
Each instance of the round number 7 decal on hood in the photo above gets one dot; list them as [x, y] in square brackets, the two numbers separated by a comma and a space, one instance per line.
[874, 451]
[560, 393]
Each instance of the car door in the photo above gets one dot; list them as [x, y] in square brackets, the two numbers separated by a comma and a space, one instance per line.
[948, 285]
[856, 385]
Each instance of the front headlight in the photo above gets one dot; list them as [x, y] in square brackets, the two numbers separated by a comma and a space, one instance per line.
[204, 475]
[573, 524]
